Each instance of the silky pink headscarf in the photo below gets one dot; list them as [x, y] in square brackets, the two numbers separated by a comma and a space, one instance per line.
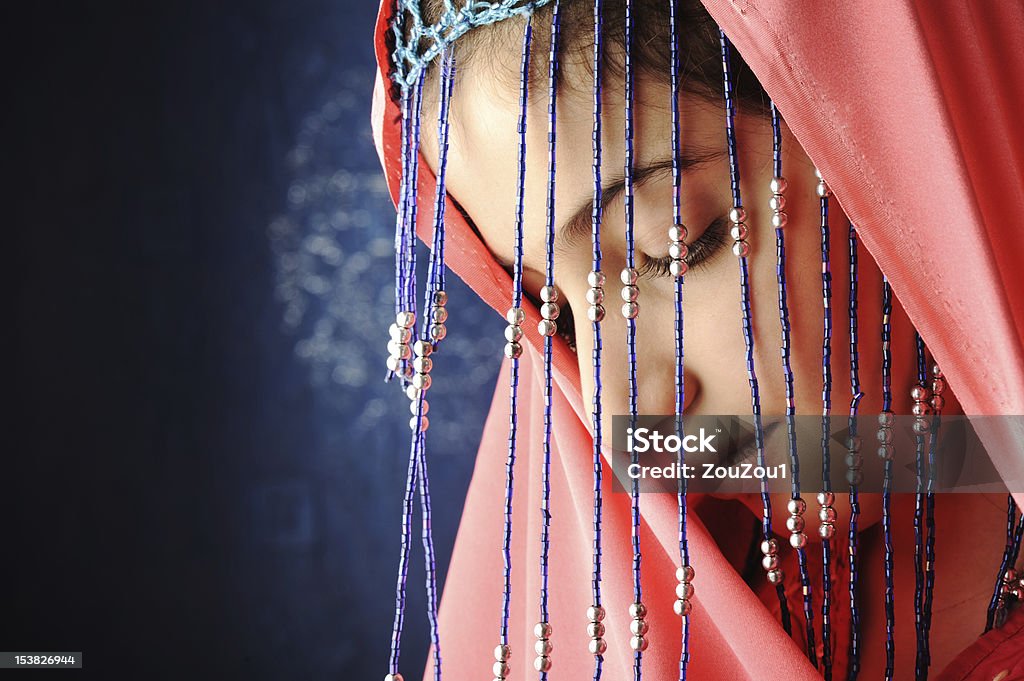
[909, 111]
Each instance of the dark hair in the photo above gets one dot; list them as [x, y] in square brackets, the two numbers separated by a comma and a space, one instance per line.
[699, 47]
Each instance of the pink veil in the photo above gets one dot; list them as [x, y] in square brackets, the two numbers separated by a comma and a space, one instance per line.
[909, 110]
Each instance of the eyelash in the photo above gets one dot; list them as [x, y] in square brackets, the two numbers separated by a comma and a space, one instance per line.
[699, 253]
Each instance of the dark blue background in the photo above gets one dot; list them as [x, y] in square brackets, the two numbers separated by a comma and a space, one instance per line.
[204, 468]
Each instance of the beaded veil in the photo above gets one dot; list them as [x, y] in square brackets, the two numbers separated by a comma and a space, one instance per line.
[411, 47]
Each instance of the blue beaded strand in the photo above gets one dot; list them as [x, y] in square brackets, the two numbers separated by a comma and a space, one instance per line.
[890, 616]
[826, 427]
[854, 452]
[680, 381]
[517, 298]
[746, 313]
[543, 661]
[920, 666]
[639, 641]
[597, 642]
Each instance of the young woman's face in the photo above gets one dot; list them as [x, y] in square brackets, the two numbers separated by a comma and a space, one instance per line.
[482, 177]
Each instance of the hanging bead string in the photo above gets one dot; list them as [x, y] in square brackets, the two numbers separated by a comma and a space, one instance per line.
[400, 215]
[741, 249]
[547, 327]
[513, 351]
[677, 251]
[826, 499]
[885, 450]
[630, 309]
[416, 392]
[937, 403]
[795, 523]
[399, 346]
[854, 461]
[920, 395]
[996, 604]
[595, 313]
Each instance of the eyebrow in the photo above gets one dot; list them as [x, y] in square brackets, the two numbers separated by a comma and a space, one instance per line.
[580, 225]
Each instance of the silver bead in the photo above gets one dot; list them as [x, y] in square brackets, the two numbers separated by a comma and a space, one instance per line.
[424, 423]
[798, 540]
[595, 296]
[399, 335]
[638, 643]
[439, 297]
[423, 348]
[423, 365]
[549, 294]
[630, 293]
[438, 332]
[938, 402]
[827, 514]
[638, 627]
[513, 350]
[399, 350]
[737, 214]
[779, 219]
[546, 327]
[630, 310]
[595, 613]
[542, 663]
[549, 311]
[854, 460]
[826, 498]
[678, 268]
[936, 371]
[421, 382]
[922, 424]
[597, 646]
[502, 653]
[677, 250]
[394, 363]
[826, 531]
[406, 320]
[938, 385]
[595, 313]
[796, 506]
[543, 646]
[542, 630]
[854, 477]
[596, 279]
[920, 409]
[595, 629]
[439, 315]
[515, 315]
[513, 333]
[684, 573]
[414, 405]
[770, 562]
[853, 443]
[740, 249]
[677, 233]
[682, 607]
[777, 202]
[885, 435]
[778, 185]
[823, 189]
[637, 610]
[885, 452]
[738, 232]
[817, 174]
[1009, 575]
[795, 523]
[628, 276]
[919, 393]
[501, 669]
[776, 576]
[412, 392]
[886, 419]
[769, 547]
[684, 590]
[394, 677]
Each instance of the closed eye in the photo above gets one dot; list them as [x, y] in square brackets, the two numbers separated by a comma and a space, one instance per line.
[699, 253]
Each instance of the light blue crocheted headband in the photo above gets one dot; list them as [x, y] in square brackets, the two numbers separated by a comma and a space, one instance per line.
[417, 44]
